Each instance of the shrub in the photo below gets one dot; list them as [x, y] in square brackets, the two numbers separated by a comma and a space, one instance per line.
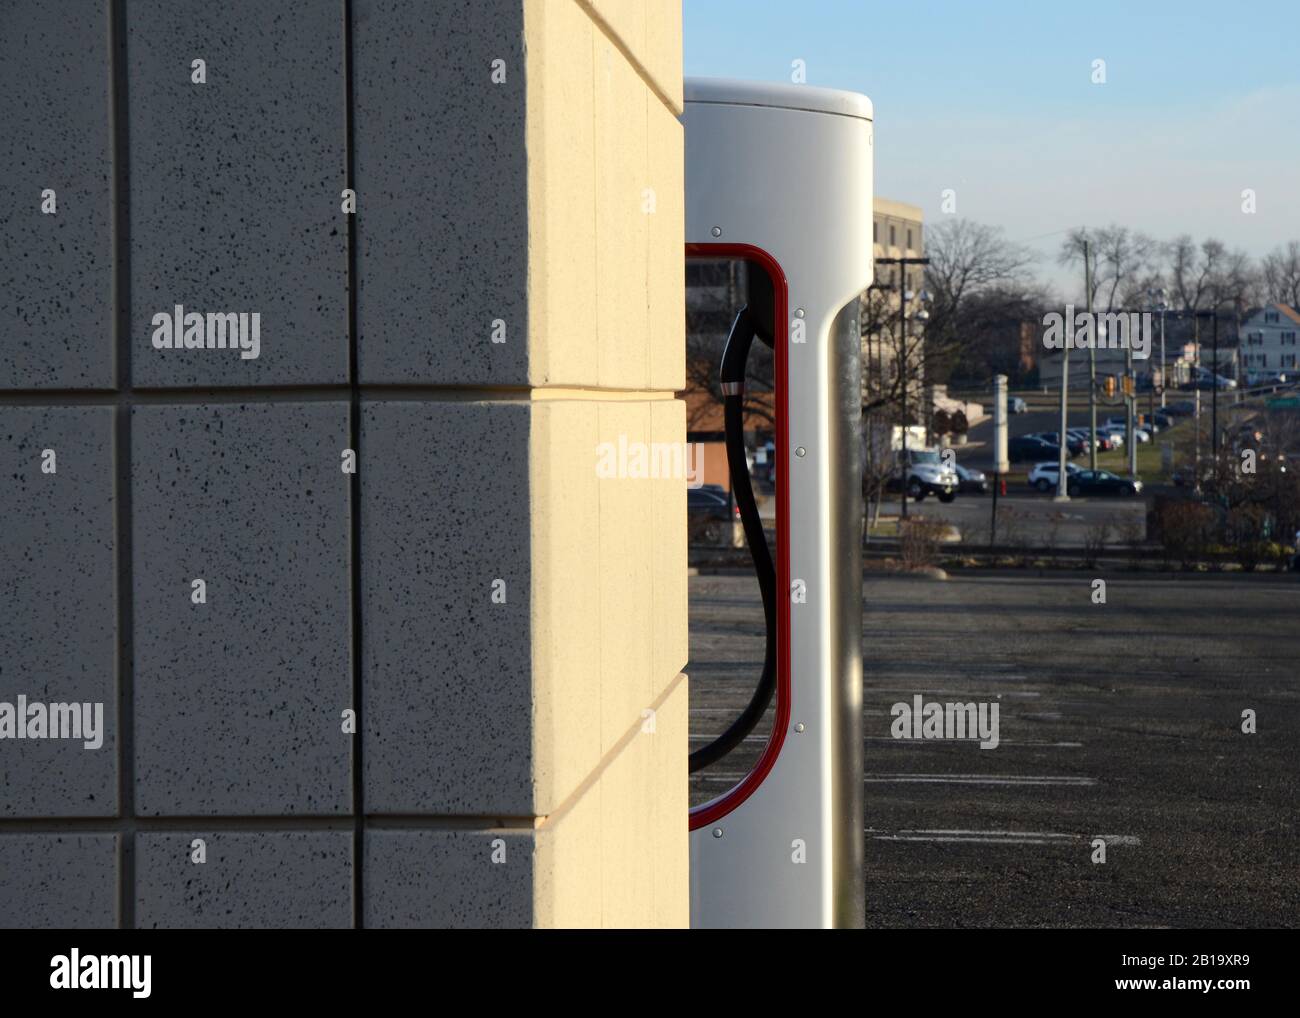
[918, 541]
[1248, 529]
[1185, 530]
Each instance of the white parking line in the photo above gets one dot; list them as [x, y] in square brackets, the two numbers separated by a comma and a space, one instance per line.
[960, 836]
[910, 690]
[1003, 742]
[978, 779]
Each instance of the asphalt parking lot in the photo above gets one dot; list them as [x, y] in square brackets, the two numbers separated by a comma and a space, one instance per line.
[1119, 721]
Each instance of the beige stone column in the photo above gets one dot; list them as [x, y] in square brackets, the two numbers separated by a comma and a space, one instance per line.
[605, 302]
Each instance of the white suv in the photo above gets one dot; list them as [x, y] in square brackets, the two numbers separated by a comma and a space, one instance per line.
[1044, 475]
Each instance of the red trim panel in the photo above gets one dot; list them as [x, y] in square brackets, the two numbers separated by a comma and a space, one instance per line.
[714, 810]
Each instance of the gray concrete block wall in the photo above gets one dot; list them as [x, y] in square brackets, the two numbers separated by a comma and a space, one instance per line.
[447, 673]
[239, 699]
[439, 154]
[249, 880]
[235, 196]
[36, 891]
[58, 629]
[329, 593]
[56, 260]
[463, 879]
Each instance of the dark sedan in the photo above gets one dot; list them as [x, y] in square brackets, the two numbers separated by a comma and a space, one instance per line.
[711, 501]
[1100, 482]
[1034, 449]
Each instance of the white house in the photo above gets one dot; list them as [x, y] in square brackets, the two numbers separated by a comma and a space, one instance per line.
[1268, 344]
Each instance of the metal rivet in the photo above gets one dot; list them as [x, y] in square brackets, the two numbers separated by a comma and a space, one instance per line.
[800, 451]
[798, 313]
[716, 231]
[717, 832]
[799, 727]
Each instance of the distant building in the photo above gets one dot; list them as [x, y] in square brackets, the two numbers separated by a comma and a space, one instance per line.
[1182, 353]
[898, 231]
[1268, 343]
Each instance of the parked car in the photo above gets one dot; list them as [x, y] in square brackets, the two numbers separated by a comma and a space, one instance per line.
[1026, 447]
[925, 473]
[1203, 379]
[1104, 442]
[711, 502]
[1075, 445]
[1083, 435]
[972, 481]
[1100, 482]
[1183, 408]
[1114, 433]
[1044, 475]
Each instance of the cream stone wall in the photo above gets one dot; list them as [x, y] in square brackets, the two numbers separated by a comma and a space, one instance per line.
[606, 299]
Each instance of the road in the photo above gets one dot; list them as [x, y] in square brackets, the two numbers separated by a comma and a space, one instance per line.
[1118, 721]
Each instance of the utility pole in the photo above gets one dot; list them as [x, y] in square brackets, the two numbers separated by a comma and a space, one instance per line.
[903, 366]
[1092, 368]
[1196, 384]
[1062, 487]
[1130, 409]
[1214, 398]
[1164, 378]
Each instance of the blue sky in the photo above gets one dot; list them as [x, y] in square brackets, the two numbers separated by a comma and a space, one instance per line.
[995, 100]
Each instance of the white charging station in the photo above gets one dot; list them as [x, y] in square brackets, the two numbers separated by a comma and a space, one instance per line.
[781, 176]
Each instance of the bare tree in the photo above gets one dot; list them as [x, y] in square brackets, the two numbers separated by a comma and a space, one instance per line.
[1194, 272]
[969, 262]
[1280, 273]
[1123, 263]
[707, 324]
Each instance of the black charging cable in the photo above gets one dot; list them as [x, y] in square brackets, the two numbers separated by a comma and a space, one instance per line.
[735, 356]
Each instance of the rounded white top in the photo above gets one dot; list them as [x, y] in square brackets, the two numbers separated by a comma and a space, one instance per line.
[778, 95]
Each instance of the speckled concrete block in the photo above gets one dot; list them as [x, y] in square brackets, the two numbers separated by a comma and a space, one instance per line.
[448, 690]
[58, 881]
[55, 269]
[442, 174]
[238, 702]
[449, 879]
[58, 627]
[236, 186]
[249, 880]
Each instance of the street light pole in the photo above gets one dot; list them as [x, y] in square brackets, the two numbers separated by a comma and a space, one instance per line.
[1214, 397]
[903, 366]
[1063, 447]
[902, 370]
[1164, 378]
[1092, 372]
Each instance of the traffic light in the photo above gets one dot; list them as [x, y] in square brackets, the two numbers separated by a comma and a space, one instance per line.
[1128, 385]
[1109, 386]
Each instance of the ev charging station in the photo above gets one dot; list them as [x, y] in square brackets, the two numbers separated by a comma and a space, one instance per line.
[781, 177]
